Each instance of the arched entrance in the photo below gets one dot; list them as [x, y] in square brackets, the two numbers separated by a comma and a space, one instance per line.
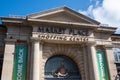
[61, 68]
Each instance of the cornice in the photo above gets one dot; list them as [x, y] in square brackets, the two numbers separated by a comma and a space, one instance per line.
[75, 24]
[105, 30]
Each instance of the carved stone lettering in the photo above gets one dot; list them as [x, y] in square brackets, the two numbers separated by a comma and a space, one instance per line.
[61, 30]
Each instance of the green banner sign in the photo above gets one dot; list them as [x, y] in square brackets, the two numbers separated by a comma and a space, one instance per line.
[20, 62]
[102, 65]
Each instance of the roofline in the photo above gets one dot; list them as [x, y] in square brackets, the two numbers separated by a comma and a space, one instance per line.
[59, 8]
[106, 27]
[44, 11]
[116, 35]
[81, 15]
[15, 18]
[65, 8]
[12, 20]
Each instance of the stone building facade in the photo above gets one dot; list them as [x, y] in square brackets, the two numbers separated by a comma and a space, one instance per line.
[2, 37]
[58, 44]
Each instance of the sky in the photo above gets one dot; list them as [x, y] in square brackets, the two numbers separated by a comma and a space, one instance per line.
[105, 11]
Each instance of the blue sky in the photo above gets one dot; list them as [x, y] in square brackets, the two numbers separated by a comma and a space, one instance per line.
[24, 7]
[105, 11]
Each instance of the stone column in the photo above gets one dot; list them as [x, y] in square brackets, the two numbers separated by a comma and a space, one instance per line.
[36, 59]
[110, 60]
[93, 67]
[8, 61]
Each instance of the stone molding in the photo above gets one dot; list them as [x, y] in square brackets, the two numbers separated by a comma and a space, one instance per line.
[75, 52]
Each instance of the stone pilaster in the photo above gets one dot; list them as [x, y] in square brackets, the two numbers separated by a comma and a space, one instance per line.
[110, 61]
[36, 60]
[8, 61]
[92, 60]
[86, 64]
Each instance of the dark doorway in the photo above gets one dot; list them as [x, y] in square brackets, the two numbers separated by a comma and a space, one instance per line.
[61, 68]
[1, 63]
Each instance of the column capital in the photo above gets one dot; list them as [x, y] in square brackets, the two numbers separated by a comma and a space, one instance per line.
[103, 46]
[91, 44]
[100, 47]
[34, 39]
[10, 40]
[109, 46]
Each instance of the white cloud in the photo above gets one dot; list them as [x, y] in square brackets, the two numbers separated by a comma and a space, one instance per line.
[108, 12]
[88, 12]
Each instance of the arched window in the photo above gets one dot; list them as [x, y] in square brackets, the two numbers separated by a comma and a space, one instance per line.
[61, 67]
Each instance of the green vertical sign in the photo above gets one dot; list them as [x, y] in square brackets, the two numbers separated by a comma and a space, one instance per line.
[20, 62]
[102, 65]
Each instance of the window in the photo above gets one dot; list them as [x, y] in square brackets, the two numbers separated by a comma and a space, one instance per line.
[1, 43]
[117, 61]
[116, 55]
[61, 68]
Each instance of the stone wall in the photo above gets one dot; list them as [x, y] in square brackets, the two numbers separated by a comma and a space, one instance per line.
[75, 52]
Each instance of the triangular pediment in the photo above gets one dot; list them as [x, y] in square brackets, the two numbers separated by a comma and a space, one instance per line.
[63, 14]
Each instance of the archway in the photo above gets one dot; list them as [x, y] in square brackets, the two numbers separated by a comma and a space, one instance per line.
[61, 67]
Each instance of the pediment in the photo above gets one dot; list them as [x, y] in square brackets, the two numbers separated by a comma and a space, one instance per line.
[63, 14]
